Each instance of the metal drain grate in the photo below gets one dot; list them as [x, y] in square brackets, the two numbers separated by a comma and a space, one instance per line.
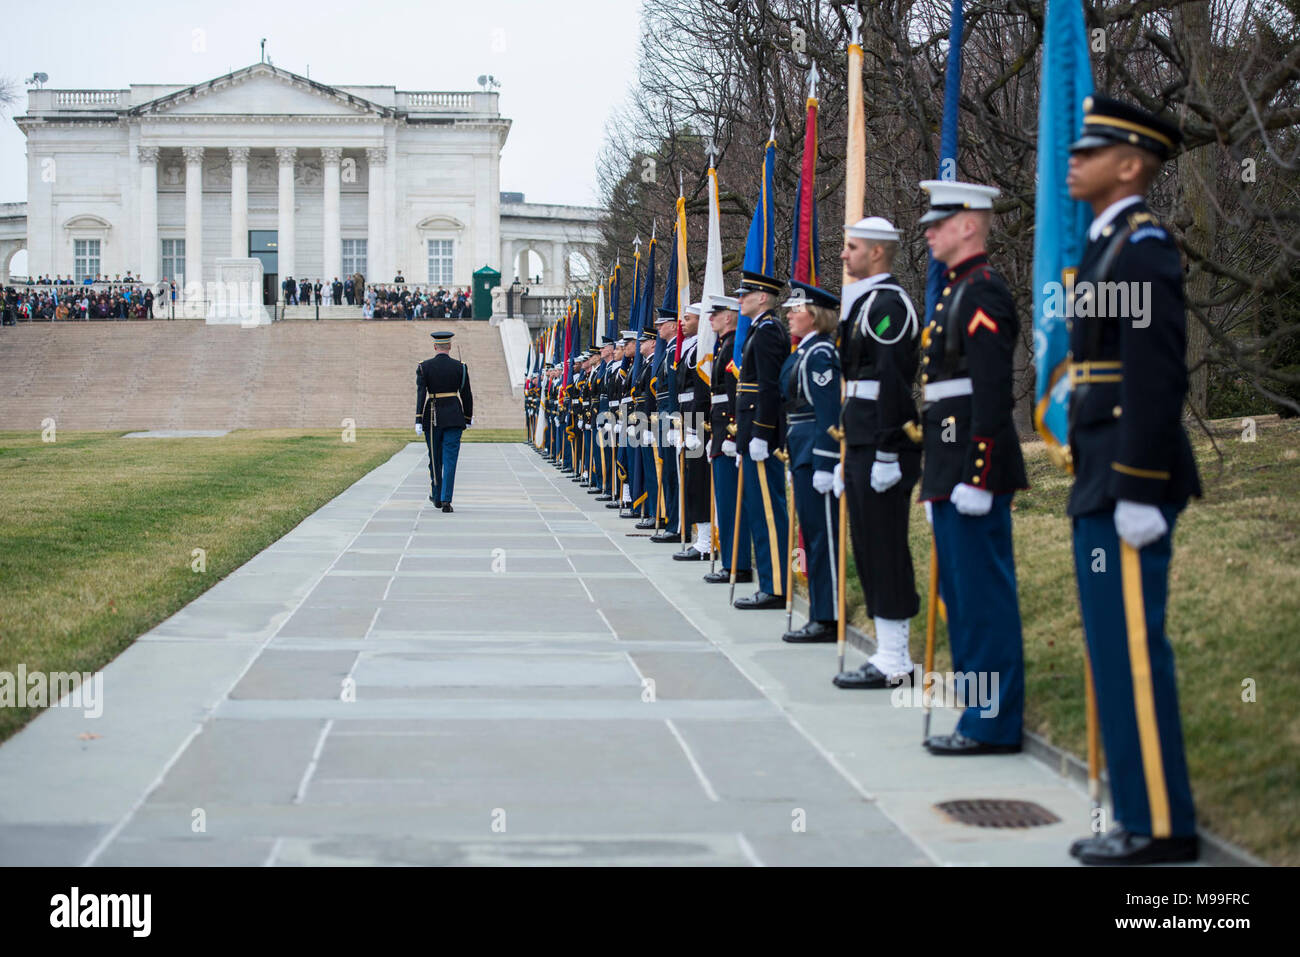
[985, 812]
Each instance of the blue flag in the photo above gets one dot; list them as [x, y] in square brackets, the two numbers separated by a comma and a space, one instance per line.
[760, 247]
[1061, 223]
[645, 307]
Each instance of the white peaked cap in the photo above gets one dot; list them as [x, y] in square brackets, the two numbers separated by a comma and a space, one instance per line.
[873, 227]
[948, 197]
[694, 309]
[718, 303]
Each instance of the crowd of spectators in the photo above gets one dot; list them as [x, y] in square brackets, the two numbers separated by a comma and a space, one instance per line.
[60, 298]
[402, 301]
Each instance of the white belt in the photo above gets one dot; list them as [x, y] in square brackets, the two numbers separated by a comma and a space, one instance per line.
[719, 398]
[685, 396]
[934, 391]
[862, 388]
[625, 400]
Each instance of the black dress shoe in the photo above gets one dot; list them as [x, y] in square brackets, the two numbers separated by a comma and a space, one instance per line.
[815, 632]
[646, 523]
[627, 513]
[723, 576]
[869, 676]
[1079, 846]
[1120, 847]
[606, 498]
[595, 490]
[760, 600]
[446, 506]
[664, 536]
[691, 554]
[435, 502]
[957, 743]
[613, 504]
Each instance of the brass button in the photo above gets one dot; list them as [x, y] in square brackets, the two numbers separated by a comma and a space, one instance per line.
[1108, 230]
[979, 463]
[982, 446]
[952, 274]
[938, 307]
[940, 329]
[925, 361]
[924, 378]
[975, 480]
[1115, 411]
[947, 289]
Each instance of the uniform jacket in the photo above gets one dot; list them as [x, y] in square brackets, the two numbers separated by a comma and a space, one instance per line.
[1129, 370]
[758, 393]
[439, 375]
[971, 438]
[880, 342]
[810, 386]
[722, 412]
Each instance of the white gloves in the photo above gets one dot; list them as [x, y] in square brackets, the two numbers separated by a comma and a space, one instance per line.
[758, 449]
[837, 479]
[674, 438]
[823, 481]
[729, 447]
[647, 438]
[692, 441]
[929, 512]
[970, 500]
[419, 428]
[885, 472]
[1139, 524]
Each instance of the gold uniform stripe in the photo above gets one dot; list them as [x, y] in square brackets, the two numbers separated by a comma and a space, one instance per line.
[771, 529]
[1092, 119]
[1144, 699]
[1139, 473]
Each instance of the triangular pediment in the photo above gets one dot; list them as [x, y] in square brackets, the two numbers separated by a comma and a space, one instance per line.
[260, 89]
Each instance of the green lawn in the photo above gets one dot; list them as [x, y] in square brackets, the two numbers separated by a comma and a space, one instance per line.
[98, 533]
[1234, 610]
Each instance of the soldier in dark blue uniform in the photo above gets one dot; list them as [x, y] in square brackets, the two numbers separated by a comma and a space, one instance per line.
[760, 430]
[879, 352]
[810, 385]
[693, 401]
[646, 494]
[1134, 472]
[973, 467]
[724, 312]
[620, 402]
[663, 383]
[444, 408]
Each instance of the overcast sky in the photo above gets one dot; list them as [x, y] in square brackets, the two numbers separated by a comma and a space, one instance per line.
[563, 64]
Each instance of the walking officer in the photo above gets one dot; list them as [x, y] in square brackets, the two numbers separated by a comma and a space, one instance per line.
[1134, 472]
[973, 465]
[444, 408]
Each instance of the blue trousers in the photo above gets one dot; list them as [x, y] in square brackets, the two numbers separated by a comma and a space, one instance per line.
[444, 451]
[724, 493]
[668, 466]
[977, 579]
[763, 504]
[649, 501]
[819, 519]
[1122, 594]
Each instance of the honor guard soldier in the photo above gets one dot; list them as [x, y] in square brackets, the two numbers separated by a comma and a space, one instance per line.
[663, 383]
[444, 408]
[723, 315]
[1134, 472]
[646, 495]
[879, 352]
[602, 422]
[810, 385]
[693, 401]
[760, 430]
[619, 402]
[973, 464]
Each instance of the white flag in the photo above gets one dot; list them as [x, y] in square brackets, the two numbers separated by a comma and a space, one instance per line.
[713, 283]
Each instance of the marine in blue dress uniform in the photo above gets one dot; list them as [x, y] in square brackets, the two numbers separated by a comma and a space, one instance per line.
[810, 386]
[973, 466]
[645, 496]
[760, 430]
[879, 352]
[444, 408]
[1134, 472]
[620, 407]
[724, 312]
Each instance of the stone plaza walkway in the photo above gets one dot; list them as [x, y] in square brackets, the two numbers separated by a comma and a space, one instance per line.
[390, 684]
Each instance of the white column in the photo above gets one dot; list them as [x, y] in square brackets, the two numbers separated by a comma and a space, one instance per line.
[193, 214]
[285, 238]
[148, 255]
[333, 252]
[559, 266]
[376, 158]
[238, 201]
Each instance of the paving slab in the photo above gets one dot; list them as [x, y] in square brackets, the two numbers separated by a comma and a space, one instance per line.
[526, 681]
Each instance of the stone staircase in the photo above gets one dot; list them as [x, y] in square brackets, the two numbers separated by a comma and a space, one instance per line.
[188, 375]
